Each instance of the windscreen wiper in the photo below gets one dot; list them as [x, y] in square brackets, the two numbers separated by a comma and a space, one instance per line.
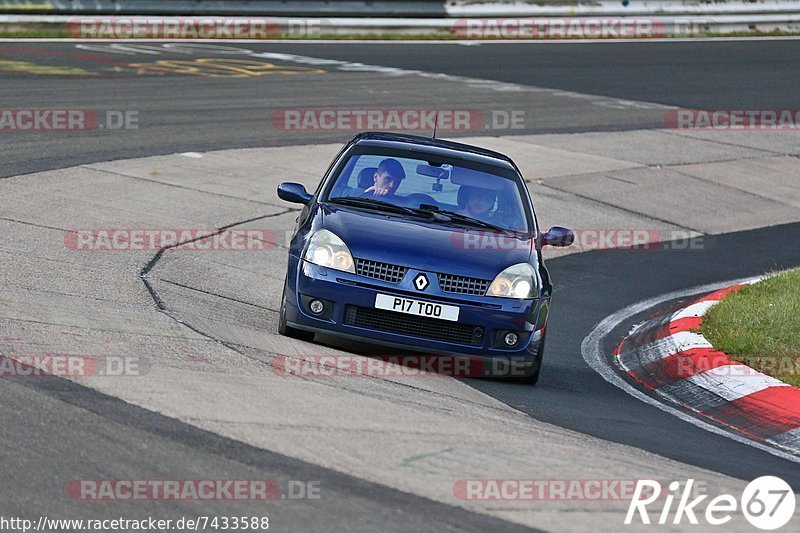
[470, 221]
[371, 203]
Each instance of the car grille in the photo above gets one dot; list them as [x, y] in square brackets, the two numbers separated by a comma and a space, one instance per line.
[463, 285]
[417, 326]
[381, 271]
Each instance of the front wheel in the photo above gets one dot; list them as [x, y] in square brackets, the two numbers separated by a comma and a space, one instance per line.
[533, 379]
[289, 331]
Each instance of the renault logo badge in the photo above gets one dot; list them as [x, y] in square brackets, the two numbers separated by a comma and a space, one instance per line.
[421, 282]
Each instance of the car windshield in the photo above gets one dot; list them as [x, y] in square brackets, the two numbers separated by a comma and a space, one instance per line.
[459, 194]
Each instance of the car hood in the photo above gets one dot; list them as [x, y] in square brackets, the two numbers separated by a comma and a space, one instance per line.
[425, 245]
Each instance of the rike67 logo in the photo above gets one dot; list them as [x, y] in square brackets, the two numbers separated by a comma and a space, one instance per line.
[767, 503]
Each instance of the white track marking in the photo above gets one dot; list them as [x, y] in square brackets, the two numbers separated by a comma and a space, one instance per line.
[694, 310]
[662, 348]
[595, 356]
[734, 382]
[788, 439]
[348, 66]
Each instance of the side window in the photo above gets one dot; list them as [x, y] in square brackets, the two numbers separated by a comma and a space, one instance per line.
[364, 161]
[333, 164]
[343, 180]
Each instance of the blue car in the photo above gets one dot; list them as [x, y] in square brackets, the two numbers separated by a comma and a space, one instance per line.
[424, 245]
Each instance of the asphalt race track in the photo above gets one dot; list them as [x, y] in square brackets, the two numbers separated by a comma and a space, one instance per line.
[189, 114]
[185, 101]
[595, 284]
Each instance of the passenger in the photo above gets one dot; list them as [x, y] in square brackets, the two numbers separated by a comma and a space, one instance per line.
[387, 178]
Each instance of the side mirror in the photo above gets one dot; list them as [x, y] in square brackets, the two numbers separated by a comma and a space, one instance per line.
[558, 236]
[293, 192]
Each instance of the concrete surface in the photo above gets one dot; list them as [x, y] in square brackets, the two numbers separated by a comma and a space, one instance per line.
[420, 435]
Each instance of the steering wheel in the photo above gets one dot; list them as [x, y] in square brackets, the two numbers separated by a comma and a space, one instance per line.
[419, 199]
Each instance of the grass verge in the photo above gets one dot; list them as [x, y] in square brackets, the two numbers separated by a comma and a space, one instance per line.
[759, 325]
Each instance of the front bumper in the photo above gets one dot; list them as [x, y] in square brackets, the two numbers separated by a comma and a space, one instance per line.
[350, 312]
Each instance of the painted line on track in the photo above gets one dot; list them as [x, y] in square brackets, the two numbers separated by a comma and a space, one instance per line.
[479, 83]
[357, 67]
[597, 358]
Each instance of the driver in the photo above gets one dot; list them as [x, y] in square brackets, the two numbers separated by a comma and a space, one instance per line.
[387, 178]
[478, 202]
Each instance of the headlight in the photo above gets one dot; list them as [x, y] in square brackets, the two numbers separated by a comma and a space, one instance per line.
[328, 250]
[517, 281]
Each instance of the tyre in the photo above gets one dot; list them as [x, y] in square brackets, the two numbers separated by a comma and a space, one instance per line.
[533, 379]
[286, 330]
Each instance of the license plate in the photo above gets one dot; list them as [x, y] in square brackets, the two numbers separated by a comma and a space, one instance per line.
[416, 307]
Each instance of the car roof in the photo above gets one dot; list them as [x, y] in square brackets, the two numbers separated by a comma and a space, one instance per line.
[430, 145]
